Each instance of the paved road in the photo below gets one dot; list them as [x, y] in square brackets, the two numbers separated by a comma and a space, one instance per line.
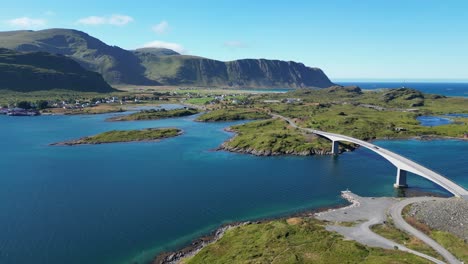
[367, 212]
[395, 211]
[397, 160]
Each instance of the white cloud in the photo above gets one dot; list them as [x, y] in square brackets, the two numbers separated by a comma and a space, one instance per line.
[234, 44]
[116, 20]
[26, 22]
[167, 45]
[120, 20]
[161, 28]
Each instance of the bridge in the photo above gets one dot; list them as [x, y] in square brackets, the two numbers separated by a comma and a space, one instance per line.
[403, 164]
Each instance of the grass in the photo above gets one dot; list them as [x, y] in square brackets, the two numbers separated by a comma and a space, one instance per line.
[454, 244]
[389, 231]
[231, 114]
[284, 241]
[276, 136]
[155, 114]
[130, 135]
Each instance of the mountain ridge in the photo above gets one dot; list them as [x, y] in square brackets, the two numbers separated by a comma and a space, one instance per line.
[34, 71]
[159, 66]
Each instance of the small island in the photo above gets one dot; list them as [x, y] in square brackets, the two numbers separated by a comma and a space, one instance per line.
[155, 114]
[116, 136]
[233, 115]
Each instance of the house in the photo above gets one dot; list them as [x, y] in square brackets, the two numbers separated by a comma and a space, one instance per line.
[292, 100]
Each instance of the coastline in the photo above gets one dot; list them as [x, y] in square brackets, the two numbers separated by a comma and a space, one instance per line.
[225, 147]
[80, 141]
[196, 245]
[177, 255]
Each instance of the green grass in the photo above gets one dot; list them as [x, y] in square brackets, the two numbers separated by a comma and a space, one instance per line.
[130, 135]
[276, 136]
[304, 241]
[232, 114]
[452, 243]
[389, 231]
[199, 101]
[155, 114]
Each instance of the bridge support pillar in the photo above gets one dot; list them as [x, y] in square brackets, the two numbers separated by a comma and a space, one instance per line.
[401, 179]
[335, 148]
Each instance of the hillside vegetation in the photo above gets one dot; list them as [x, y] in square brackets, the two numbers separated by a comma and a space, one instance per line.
[156, 66]
[36, 71]
[295, 240]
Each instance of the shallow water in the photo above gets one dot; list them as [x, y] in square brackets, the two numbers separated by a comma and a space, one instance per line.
[116, 203]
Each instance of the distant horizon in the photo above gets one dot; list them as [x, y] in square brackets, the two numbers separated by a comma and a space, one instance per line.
[399, 80]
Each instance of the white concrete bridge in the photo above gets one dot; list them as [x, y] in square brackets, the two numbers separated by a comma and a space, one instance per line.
[403, 164]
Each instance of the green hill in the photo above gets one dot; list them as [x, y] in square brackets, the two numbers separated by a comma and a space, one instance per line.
[116, 65]
[34, 71]
[158, 66]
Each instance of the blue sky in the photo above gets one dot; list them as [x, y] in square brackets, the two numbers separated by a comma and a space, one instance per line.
[402, 40]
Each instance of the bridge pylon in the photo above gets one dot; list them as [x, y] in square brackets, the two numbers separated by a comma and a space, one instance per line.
[335, 147]
[401, 179]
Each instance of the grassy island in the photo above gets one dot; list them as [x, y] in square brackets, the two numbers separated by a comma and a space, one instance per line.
[155, 114]
[293, 240]
[150, 134]
[233, 114]
[275, 137]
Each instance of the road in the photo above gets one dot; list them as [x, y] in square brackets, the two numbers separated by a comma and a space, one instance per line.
[367, 211]
[395, 211]
[399, 161]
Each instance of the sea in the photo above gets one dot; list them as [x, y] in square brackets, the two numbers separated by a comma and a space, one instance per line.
[127, 202]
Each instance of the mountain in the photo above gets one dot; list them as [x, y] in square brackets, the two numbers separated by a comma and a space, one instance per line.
[116, 65]
[34, 71]
[158, 66]
[252, 73]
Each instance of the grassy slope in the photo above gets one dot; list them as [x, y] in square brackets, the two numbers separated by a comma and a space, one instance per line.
[449, 241]
[130, 135]
[233, 114]
[389, 231]
[276, 136]
[338, 112]
[35, 71]
[299, 241]
[115, 64]
[154, 115]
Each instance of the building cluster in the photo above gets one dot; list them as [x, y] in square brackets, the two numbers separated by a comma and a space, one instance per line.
[16, 111]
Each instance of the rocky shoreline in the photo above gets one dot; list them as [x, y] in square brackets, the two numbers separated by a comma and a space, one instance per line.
[252, 151]
[83, 141]
[174, 257]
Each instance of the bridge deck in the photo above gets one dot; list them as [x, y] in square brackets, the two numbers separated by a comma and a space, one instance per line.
[397, 160]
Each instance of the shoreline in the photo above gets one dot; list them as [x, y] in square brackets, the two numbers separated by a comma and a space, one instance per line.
[312, 152]
[196, 245]
[77, 142]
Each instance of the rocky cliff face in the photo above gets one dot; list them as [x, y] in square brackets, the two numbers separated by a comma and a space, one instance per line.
[157, 66]
[247, 73]
[33, 71]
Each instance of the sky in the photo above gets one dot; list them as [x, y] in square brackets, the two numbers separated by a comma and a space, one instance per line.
[350, 40]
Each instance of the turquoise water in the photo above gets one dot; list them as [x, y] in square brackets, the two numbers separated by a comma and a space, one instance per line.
[444, 88]
[118, 203]
[438, 120]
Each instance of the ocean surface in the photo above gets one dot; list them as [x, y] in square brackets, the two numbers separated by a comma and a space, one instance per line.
[125, 202]
[444, 88]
